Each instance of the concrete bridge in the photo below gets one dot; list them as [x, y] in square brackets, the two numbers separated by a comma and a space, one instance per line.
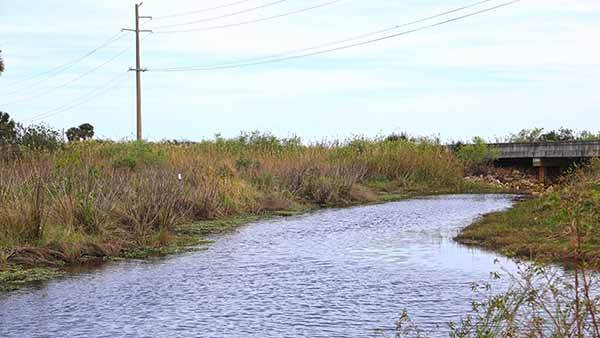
[550, 158]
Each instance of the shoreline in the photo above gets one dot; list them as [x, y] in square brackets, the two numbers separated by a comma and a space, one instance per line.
[191, 236]
[529, 231]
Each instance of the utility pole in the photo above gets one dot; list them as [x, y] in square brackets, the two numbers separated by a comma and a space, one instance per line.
[138, 67]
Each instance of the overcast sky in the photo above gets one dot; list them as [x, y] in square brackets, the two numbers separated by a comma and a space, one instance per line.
[535, 63]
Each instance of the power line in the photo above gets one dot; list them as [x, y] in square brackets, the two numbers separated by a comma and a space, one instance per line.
[248, 10]
[69, 82]
[336, 42]
[201, 10]
[62, 68]
[387, 37]
[298, 11]
[289, 55]
[73, 80]
[112, 83]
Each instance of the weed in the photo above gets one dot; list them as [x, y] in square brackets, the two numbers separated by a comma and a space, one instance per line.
[90, 200]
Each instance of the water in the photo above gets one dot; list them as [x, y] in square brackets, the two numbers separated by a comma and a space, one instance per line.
[336, 273]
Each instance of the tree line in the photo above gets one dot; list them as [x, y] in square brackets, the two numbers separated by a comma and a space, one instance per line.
[15, 136]
[37, 137]
[561, 135]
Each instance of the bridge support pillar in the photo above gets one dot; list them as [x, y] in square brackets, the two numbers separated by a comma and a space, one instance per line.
[541, 167]
[542, 174]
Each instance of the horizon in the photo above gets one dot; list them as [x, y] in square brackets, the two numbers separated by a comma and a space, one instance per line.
[538, 133]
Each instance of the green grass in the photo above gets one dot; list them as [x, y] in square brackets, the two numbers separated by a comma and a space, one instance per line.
[526, 230]
[560, 226]
[530, 230]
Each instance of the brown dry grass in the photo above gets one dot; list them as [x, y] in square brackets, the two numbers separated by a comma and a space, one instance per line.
[95, 199]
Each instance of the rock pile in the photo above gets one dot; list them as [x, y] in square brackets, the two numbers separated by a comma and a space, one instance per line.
[510, 179]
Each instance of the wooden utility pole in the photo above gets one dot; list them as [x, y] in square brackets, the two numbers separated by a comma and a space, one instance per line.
[138, 68]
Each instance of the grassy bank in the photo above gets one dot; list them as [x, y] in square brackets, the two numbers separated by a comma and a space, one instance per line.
[562, 225]
[94, 200]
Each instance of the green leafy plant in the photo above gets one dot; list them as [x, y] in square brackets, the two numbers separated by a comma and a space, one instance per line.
[476, 155]
[40, 138]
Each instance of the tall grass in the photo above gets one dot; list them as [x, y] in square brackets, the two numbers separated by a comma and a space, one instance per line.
[96, 198]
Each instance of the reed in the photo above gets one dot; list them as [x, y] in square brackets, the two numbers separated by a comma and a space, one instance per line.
[101, 198]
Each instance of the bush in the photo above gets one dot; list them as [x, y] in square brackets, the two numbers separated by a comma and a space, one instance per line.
[560, 135]
[132, 155]
[397, 137]
[8, 129]
[40, 138]
[476, 155]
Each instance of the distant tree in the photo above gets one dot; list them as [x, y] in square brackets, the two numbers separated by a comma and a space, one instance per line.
[8, 129]
[39, 138]
[526, 135]
[1, 63]
[538, 135]
[397, 137]
[565, 134]
[551, 136]
[73, 134]
[456, 146]
[81, 133]
[588, 136]
[86, 131]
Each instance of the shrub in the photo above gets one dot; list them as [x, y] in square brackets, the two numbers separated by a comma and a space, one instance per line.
[132, 155]
[560, 135]
[8, 137]
[244, 163]
[40, 138]
[397, 137]
[8, 129]
[476, 155]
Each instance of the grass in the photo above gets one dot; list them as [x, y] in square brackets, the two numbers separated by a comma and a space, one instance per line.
[90, 201]
[562, 225]
[540, 302]
[541, 228]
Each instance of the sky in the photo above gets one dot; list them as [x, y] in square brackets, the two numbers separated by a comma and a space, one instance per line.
[535, 63]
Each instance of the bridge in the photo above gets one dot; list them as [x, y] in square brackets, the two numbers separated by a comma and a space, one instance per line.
[548, 157]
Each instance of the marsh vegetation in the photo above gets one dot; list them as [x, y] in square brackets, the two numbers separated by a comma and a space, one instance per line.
[74, 202]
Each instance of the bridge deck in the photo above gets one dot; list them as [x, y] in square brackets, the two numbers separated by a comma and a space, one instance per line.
[579, 149]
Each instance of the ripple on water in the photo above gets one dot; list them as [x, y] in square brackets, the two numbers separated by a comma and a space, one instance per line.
[335, 273]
